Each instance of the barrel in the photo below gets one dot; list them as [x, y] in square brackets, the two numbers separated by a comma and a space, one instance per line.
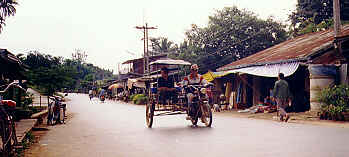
[321, 76]
[154, 90]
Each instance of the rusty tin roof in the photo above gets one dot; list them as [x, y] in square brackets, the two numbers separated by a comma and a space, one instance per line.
[141, 59]
[296, 49]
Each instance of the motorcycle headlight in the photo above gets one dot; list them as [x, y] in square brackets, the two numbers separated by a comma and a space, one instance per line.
[203, 90]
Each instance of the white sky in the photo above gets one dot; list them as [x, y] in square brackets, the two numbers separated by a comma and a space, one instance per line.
[105, 29]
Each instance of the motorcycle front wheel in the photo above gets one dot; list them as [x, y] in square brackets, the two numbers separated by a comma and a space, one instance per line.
[194, 117]
[206, 116]
[194, 120]
[149, 114]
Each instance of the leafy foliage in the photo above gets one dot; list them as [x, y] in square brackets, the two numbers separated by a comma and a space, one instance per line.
[315, 15]
[231, 34]
[51, 73]
[139, 99]
[335, 101]
[7, 8]
[337, 96]
[162, 45]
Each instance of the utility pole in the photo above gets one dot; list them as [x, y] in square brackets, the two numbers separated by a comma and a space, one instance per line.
[145, 39]
[337, 24]
[337, 43]
[336, 17]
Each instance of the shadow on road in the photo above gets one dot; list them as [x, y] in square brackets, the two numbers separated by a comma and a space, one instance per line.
[178, 129]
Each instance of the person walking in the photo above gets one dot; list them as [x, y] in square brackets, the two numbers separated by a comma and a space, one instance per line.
[282, 94]
[90, 93]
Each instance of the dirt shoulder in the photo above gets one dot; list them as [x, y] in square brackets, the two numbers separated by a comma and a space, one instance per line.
[300, 117]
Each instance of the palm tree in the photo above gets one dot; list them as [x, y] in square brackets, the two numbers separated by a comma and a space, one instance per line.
[7, 8]
[162, 45]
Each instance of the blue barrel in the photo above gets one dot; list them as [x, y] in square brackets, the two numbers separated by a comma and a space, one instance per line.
[154, 90]
[321, 76]
[178, 89]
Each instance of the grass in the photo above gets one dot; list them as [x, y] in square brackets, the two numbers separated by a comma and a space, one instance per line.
[26, 142]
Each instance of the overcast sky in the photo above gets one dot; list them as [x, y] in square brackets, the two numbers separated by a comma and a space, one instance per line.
[105, 29]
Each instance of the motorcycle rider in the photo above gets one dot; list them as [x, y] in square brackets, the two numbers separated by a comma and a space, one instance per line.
[193, 79]
[102, 92]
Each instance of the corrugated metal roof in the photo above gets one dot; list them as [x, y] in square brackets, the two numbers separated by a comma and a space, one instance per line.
[8, 56]
[299, 48]
[10, 65]
[141, 59]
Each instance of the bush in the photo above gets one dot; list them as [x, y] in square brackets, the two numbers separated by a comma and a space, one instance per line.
[139, 99]
[132, 96]
[335, 101]
[28, 99]
[337, 96]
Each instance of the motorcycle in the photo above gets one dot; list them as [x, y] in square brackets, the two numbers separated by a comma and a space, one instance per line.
[102, 98]
[54, 111]
[200, 106]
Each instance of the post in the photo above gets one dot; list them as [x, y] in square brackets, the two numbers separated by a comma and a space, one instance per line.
[145, 38]
[337, 24]
[19, 95]
[147, 53]
[40, 101]
[336, 17]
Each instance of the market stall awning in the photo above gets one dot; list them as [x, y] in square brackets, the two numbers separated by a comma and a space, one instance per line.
[210, 76]
[136, 83]
[139, 84]
[269, 70]
[170, 62]
[116, 85]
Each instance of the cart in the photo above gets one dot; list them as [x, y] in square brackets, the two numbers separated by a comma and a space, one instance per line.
[157, 108]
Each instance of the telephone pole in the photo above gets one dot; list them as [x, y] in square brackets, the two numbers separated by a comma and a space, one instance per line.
[145, 39]
[336, 18]
[337, 24]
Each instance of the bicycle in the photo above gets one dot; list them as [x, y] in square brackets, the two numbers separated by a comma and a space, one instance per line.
[7, 124]
[54, 111]
[50, 113]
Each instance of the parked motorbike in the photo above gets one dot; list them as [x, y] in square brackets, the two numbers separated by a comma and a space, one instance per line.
[223, 104]
[56, 111]
[102, 98]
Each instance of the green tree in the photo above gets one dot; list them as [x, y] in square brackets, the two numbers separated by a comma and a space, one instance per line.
[162, 45]
[79, 55]
[49, 74]
[231, 34]
[315, 15]
[7, 8]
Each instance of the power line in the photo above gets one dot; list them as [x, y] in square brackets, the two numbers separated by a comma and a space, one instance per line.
[234, 44]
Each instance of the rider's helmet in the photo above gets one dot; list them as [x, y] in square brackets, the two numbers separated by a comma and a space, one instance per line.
[194, 67]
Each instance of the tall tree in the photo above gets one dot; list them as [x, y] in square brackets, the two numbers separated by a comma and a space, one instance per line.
[49, 73]
[162, 45]
[79, 55]
[7, 8]
[315, 15]
[231, 34]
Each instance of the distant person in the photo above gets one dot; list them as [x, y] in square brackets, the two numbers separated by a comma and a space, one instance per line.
[269, 100]
[282, 95]
[90, 94]
[102, 92]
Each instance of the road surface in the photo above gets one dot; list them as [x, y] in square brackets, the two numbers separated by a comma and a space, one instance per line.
[116, 129]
